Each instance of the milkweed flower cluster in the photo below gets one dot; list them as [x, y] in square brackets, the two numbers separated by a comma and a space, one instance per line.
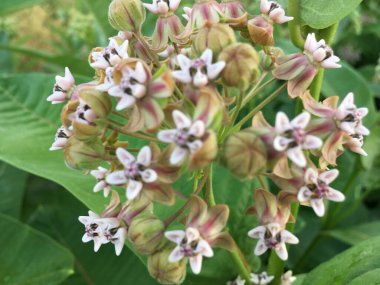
[155, 110]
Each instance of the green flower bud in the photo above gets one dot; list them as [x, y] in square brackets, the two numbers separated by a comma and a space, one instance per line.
[84, 132]
[126, 15]
[164, 271]
[242, 62]
[267, 60]
[83, 155]
[146, 232]
[213, 36]
[245, 154]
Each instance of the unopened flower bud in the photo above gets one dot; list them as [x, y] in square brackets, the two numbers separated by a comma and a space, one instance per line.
[126, 15]
[164, 271]
[261, 31]
[146, 232]
[245, 154]
[83, 155]
[213, 36]
[242, 63]
[84, 132]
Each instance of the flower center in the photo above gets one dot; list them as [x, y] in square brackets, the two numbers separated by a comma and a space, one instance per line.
[90, 230]
[188, 248]
[132, 171]
[181, 137]
[270, 240]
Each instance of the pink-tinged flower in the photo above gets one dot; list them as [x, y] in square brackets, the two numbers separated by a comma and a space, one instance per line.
[162, 7]
[233, 9]
[136, 172]
[292, 137]
[261, 278]
[204, 229]
[237, 281]
[83, 114]
[167, 30]
[190, 244]
[272, 236]
[103, 230]
[198, 71]
[132, 86]
[187, 13]
[63, 88]
[100, 175]
[60, 139]
[299, 69]
[287, 278]
[101, 58]
[274, 11]
[187, 136]
[317, 189]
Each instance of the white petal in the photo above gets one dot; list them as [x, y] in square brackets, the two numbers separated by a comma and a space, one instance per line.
[68, 76]
[86, 238]
[125, 102]
[118, 247]
[361, 112]
[149, 175]
[140, 74]
[192, 234]
[116, 178]
[288, 237]
[167, 136]
[301, 121]
[257, 232]
[260, 248]
[196, 263]
[281, 143]
[197, 129]
[145, 156]
[184, 62]
[57, 97]
[265, 6]
[175, 236]
[176, 255]
[282, 122]
[178, 155]
[116, 91]
[200, 79]
[329, 176]
[318, 206]
[348, 127]
[138, 90]
[182, 76]
[181, 120]
[133, 189]
[281, 251]
[331, 62]
[204, 248]
[213, 70]
[335, 195]
[174, 4]
[99, 186]
[312, 142]
[97, 244]
[151, 7]
[274, 228]
[319, 54]
[195, 145]
[304, 194]
[311, 176]
[311, 43]
[99, 173]
[124, 156]
[296, 155]
[207, 56]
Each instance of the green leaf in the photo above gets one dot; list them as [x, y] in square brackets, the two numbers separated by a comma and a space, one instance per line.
[28, 257]
[9, 6]
[320, 14]
[370, 277]
[356, 234]
[348, 265]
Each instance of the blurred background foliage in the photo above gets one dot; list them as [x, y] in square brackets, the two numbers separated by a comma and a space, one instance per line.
[41, 237]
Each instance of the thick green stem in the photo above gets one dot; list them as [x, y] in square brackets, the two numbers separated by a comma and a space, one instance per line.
[294, 26]
[210, 191]
[240, 266]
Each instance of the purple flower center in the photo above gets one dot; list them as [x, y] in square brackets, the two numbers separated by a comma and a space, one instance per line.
[188, 249]
[321, 189]
[132, 170]
[299, 135]
[181, 137]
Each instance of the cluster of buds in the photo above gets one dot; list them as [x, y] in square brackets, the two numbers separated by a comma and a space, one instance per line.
[155, 111]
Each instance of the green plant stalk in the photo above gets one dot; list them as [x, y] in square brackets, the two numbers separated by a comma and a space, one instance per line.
[294, 25]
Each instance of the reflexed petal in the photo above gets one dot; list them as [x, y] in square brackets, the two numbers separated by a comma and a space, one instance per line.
[204, 248]
[301, 121]
[133, 189]
[116, 178]
[97, 244]
[288, 237]
[167, 136]
[331, 62]
[86, 238]
[125, 102]
[176, 255]
[312, 142]
[281, 251]
[145, 156]
[175, 236]
[196, 263]
[260, 247]
[178, 155]
[124, 156]
[181, 120]
[296, 155]
[282, 122]
[149, 175]
[304, 194]
[281, 143]
[311, 176]
[335, 195]
[257, 232]
[99, 186]
[197, 129]
[213, 70]
[329, 176]
[318, 206]
[182, 76]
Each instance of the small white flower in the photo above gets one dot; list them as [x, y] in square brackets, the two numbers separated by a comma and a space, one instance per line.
[108, 80]
[93, 229]
[162, 6]
[61, 137]
[272, 236]
[83, 114]
[274, 11]
[116, 235]
[187, 136]
[237, 281]
[198, 71]
[287, 278]
[350, 117]
[191, 245]
[317, 189]
[110, 55]
[136, 172]
[63, 88]
[132, 86]
[100, 174]
[261, 278]
[292, 138]
[320, 52]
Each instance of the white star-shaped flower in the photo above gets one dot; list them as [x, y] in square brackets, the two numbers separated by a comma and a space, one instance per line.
[63, 88]
[271, 236]
[108, 80]
[116, 235]
[162, 7]
[317, 189]
[191, 245]
[100, 174]
[292, 138]
[237, 281]
[136, 172]
[287, 278]
[110, 55]
[261, 278]
[187, 136]
[274, 11]
[198, 71]
[61, 137]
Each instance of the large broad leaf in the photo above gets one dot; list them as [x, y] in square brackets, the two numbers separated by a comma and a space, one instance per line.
[8, 6]
[28, 257]
[320, 14]
[12, 185]
[348, 265]
[356, 234]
